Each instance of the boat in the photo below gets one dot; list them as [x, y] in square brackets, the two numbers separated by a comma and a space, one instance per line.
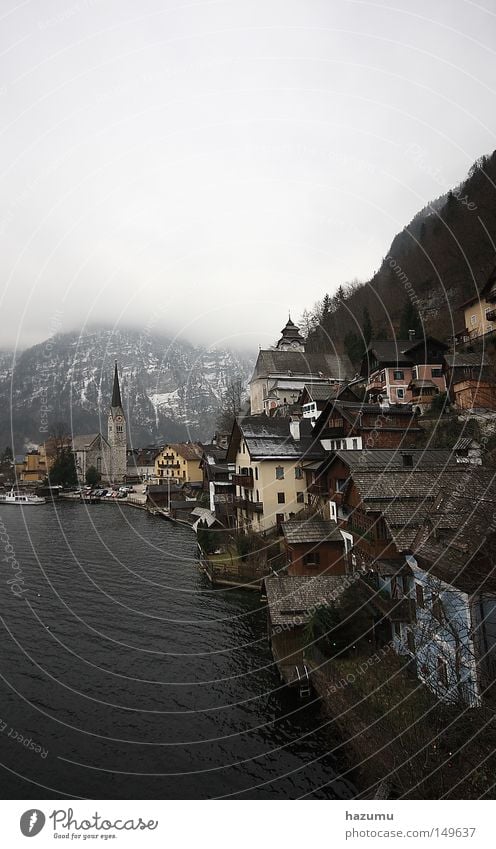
[24, 500]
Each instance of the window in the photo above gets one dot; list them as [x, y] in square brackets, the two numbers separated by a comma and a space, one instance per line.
[442, 671]
[279, 473]
[436, 372]
[398, 375]
[256, 473]
[300, 497]
[400, 393]
[281, 498]
[473, 320]
[258, 496]
[410, 641]
[437, 608]
[419, 593]
[279, 519]
[355, 444]
[298, 473]
[312, 559]
[119, 428]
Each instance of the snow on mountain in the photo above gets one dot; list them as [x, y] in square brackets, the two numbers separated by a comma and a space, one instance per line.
[171, 389]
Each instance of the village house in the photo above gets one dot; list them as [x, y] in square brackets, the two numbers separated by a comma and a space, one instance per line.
[313, 399]
[357, 425]
[31, 467]
[179, 462]
[480, 311]
[268, 454]
[141, 463]
[292, 600]
[217, 481]
[314, 546]
[400, 371]
[281, 373]
[453, 560]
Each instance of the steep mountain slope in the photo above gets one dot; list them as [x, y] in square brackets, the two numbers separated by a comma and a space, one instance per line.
[438, 261]
[171, 390]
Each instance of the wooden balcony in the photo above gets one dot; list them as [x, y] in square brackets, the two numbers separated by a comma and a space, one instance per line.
[246, 481]
[246, 504]
[318, 488]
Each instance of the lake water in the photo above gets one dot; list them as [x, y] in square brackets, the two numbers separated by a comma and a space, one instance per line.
[135, 677]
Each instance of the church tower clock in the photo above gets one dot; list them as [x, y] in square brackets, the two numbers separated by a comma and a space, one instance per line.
[117, 437]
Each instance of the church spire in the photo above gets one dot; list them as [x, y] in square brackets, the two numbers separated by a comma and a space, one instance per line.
[116, 391]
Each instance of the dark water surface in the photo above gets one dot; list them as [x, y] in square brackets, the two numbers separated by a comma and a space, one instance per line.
[137, 678]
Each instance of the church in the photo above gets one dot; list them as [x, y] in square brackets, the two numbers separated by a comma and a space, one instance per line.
[108, 455]
[281, 373]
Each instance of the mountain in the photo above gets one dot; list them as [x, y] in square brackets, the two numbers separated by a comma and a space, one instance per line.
[440, 259]
[171, 390]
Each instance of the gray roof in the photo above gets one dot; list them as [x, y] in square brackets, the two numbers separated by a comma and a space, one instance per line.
[270, 438]
[466, 358]
[80, 443]
[292, 599]
[311, 530]
[324, 391]
[391, 350]
[464, 443]
[273, 362]
[388, 459]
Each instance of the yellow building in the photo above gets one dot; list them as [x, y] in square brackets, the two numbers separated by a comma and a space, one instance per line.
[480, 311]
[33, 468]
[270, 484]
[179, 462]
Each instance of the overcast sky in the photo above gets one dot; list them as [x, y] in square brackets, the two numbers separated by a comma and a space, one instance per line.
[201, 168]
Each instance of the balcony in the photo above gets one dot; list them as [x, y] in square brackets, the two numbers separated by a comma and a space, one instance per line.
[245, 481]
[375, 384]
[318, 488]
[167, 465]
[395, 609]
[249, 506]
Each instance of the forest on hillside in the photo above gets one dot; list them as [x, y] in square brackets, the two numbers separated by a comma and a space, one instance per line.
[442, 258]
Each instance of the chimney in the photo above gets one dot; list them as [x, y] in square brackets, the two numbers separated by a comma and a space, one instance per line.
[411, 335]
[294, 429]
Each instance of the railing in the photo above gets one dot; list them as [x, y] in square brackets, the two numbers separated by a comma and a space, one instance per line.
[246, 504]
[318, 488]
[245, 481]
[168, 465]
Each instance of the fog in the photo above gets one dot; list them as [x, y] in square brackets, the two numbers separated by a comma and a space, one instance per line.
[205, 167]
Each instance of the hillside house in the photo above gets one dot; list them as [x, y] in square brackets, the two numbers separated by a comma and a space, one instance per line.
[400, 370]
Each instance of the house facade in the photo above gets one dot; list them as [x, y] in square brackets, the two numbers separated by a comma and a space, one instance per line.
[480, 311]
[314, 546]
[269, 480]
[400, 370]
[179, 462]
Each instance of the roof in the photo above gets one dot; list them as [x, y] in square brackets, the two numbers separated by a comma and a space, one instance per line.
[292, 599]
[455, 544]
[464, 443]
[390, 350]
[273, 362]
[268, 437]
[116, 390]
[311, 531]
[466, 358]
[82, 443]
[187, 450]
[387, 459]
[325, 391]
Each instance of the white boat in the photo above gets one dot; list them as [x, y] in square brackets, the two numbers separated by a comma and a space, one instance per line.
[25, 500]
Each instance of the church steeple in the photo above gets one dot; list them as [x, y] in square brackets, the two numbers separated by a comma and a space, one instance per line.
[116, 391]
[291, 339]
